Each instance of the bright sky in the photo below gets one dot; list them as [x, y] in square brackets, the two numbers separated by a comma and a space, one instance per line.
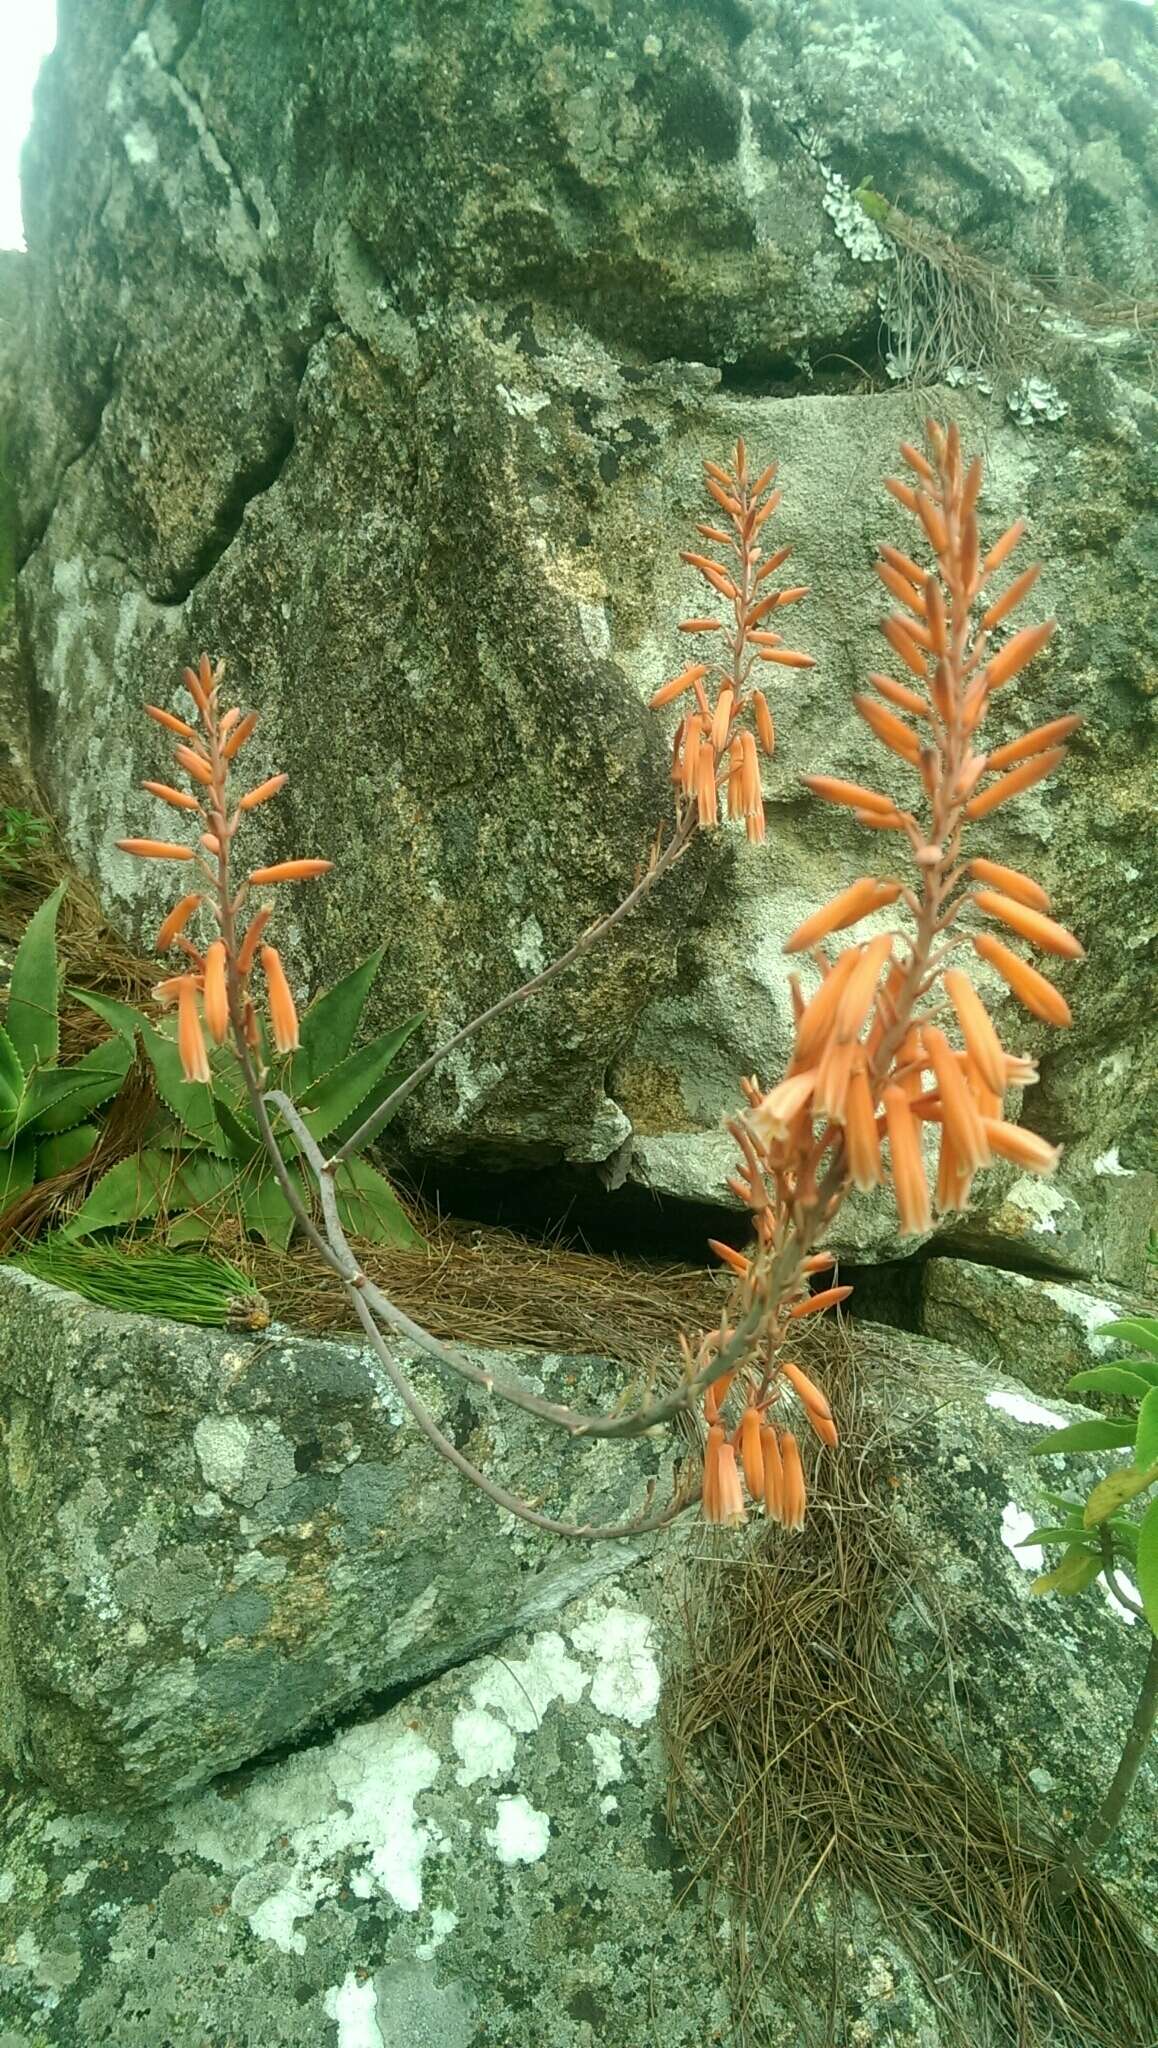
[26, 38]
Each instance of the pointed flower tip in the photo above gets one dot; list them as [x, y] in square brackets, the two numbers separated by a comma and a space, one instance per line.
[282, 1014]
[155, 849]
[290, 871]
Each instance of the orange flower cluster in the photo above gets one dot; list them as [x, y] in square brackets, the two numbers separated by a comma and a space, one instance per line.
[751, 1456]
[713, 739]
[212, 994]
[873, 1062]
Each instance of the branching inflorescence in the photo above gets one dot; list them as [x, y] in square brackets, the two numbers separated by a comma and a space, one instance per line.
[873, 1064]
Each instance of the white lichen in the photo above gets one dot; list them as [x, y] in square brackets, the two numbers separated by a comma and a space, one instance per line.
[626, 1679]
[1110, 1162]
[484, 1745]
[1015, 1526]
[521, 1834]
[354, 2006]
[1022, 1409]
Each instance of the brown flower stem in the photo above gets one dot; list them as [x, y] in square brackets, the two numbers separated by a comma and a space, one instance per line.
[366, 1300]
[585, 1532]
[369, 1129]
[335, 1248]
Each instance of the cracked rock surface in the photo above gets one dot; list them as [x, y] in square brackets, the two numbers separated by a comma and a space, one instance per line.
[377, 348]
[486, 1863]
[210, 1542]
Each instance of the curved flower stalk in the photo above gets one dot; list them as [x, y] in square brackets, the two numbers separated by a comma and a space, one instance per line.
[214, 999]
[894, 1036]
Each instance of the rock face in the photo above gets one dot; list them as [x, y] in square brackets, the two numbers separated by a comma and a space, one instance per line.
[209, 1542]
[1040, 1331]
[486, 1863]
[379, 349]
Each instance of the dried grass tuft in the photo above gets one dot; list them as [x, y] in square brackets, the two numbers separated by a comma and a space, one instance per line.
[796, 1752]
[478, 1284]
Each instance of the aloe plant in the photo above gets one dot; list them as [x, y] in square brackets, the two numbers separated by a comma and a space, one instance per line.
[206, 1158]
[1104, 1540]
[45, 1108]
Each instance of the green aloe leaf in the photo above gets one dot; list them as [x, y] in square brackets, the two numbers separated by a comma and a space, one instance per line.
[17, 1171]
[1108, 1379]
[50, 1093]
[35, 988]
[1115, 1490]
[1146, 1369]
[1141, 1330]
[1146, 1572]
[151, 1183]
[1077, 1570]
[329, 1025]
[65, 1150]
[1146, 1440]
[11, 1075]
[123, 1019]
[1084, 1436]
[368, 1207]
[132, 1189]
[355, 1084]
[267, 1212]
[97, 1076]
[190, 1228]
[190, 1101]
[244, 1144]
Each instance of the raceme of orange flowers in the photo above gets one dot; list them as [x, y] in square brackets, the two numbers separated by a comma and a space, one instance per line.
[213, 990]
[895, 1037]
[731, 717]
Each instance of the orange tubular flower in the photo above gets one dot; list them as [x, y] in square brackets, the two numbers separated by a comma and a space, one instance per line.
[860, 1133]
[179, 799]
[959, 1113]
[725, 698]
[155, 849]
[977, 1029]
[1031, 988]
[291, 871]
[282, 1014]
[215, 997]
[190, 1038]
[728, 1493]
[807, 1389]
[752, 1452]
[794, 1493]
[846, 909]
[828, 1297]
[773, 1474]
[216, 991]
[909, 1182]
[1011, 881]
[1031, 924]
[850, 793]
[1025, 1148]
[175, 923]
[263, 793]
